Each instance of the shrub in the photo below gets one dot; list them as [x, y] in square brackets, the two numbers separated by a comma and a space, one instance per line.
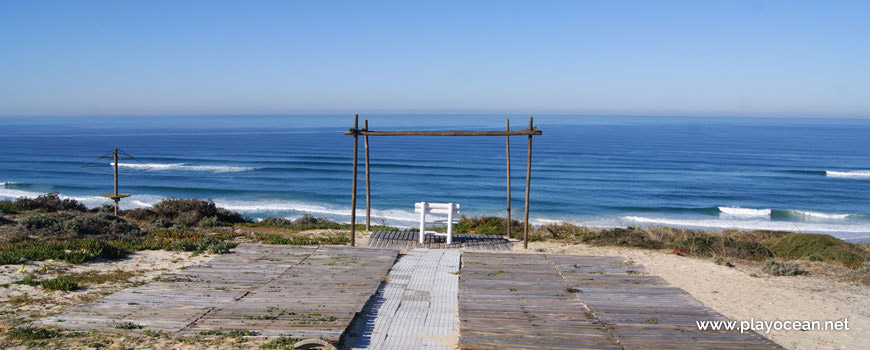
[305, 222]
[221, 247]
[60, 283]
[273, 221]
[487, 225]
[272, 238]
[187, 213]
[128, 325]
[778, 268]
[97, 224]
[800, 245]
[39, 222]
[721, 261]
[50, 202]
[282, 342]
[815, 257]
[76, 224]
[29, 280]
[182, 245]
[73, 251]
[31, 333]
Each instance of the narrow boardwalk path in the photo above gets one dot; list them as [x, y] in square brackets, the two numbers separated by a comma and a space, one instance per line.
[300, 291]
[416, 308]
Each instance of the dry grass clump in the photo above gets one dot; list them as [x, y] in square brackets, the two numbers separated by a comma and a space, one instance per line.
[862, 273]
[781, 268]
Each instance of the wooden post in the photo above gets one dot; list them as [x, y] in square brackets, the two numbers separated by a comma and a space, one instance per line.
[117, 199]
[528, 183]
[368, 182]
[353, 194]
[507, 144]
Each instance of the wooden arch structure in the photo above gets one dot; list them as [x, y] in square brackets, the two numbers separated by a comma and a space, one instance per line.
[365, 132]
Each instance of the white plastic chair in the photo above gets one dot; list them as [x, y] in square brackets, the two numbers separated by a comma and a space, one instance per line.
[451, 210]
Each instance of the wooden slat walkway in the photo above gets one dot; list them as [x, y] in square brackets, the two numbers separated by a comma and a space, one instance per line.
[416, 308]
[301, 291]
[409, 239]
[621, 307]
[642, 311]
[519, 301]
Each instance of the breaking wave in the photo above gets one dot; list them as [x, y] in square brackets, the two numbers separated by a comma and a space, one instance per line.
[754, 225]
[737, 211]
[184, 167]
[849, 174]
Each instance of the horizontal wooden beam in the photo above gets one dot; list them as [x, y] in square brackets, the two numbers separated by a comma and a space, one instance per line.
[534, 131]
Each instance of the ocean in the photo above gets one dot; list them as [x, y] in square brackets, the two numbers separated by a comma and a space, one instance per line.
[805, 175]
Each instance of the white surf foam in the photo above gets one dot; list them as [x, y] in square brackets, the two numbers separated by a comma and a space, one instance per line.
[133, 202]
[184, 167]
[849, 174]
[814, 214]
[737, 211]
[753, 225]
[279, 206]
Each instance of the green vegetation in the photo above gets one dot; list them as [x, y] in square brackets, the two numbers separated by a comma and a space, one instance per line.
[74, 251]
[29, 280]
[231, 333]
[128, 325]
[204, 244]
[750, 245]
[283, 342]
[76, 224]
[61, 283]
[306, 222]
[487, 225]
[721, 261]
[186, 213]
[779, 268]
[47, 203]
[94, 277]
[274, 238]
[802, 245]
[31, 333]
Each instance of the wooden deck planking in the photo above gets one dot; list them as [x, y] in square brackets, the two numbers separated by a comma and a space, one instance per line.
[519, 301]
[581, 302]
[409, 239]
[416, 308]
[642, 311]
[304, 292]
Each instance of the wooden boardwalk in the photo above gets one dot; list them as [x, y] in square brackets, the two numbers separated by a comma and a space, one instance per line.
[519, 301]
[416, 308]
[409, 239]
[642, 311]
[525, 301]
[300, 291]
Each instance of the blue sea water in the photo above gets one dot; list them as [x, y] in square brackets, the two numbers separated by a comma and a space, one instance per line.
[809, 175]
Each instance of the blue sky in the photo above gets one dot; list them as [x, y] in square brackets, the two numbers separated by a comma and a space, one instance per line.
[753, 58]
